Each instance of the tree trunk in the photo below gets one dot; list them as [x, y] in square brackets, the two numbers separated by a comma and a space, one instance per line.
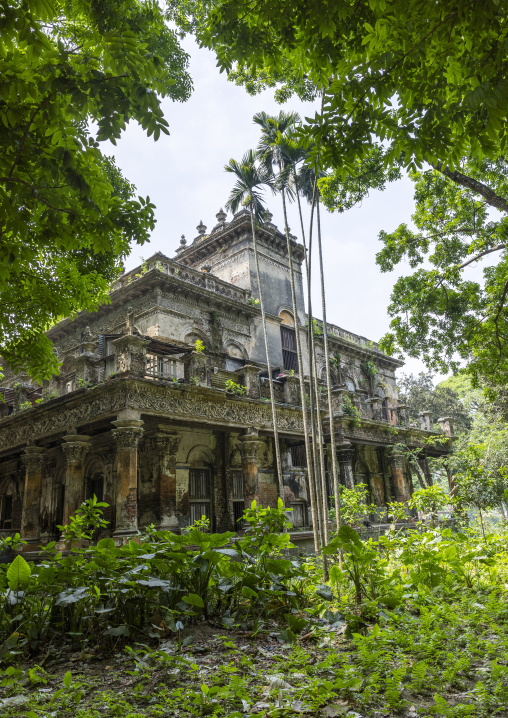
[269, 366]
[308, 452]
[328, 375]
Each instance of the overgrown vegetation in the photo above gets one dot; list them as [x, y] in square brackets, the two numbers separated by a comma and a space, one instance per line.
[216, 624]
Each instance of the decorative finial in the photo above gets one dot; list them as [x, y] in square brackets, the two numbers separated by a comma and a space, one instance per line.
[268, 216]
[201, 228]
[183, 241]
[221, 216]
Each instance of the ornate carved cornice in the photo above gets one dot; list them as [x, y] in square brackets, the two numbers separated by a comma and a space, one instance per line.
[192, 404]
[207, 406]
[74, 409]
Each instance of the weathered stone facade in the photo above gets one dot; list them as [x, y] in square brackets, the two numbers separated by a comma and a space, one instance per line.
[143, 421]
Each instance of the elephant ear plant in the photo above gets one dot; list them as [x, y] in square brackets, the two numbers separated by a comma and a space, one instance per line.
[107, 594]
[362, 566]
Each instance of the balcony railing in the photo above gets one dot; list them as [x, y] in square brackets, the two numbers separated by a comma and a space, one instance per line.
[164, 368]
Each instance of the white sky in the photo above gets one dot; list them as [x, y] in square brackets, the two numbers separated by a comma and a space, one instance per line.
[183, 174]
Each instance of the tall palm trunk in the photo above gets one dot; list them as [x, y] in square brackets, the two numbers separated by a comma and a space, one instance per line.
[321, 516]
[308, 452]
[328, 376]
[314, 399]
[269, 366]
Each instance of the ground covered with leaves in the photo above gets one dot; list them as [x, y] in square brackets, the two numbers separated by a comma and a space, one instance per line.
[415, 624]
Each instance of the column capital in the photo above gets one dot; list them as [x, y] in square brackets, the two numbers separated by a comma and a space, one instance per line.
[127, 433]
[250, 444]
[33, 458]
[75, 447]
[396, 459]
[345, 451]
[164, 443]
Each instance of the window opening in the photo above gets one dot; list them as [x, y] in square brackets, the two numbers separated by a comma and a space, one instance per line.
[199, 494]
[298, 455]
[96, 487]
[289, 355]
[238, 496]
[6, 515]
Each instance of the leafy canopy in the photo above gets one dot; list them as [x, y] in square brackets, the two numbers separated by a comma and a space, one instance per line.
[419, 394]
[427, 78]
[67, 217]
[442, 311]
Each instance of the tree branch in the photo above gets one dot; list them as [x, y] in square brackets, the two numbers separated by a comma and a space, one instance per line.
[25, 135]
[475, 185]
[482, 254]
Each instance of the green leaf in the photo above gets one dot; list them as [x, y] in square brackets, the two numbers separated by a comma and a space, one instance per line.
[194, 600]
[246, 591]
[67, 680]
[18, 574]
[324, 592]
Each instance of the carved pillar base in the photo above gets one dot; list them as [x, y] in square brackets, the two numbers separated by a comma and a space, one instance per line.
[30, 522]
[75, 448]
[345, 454]
[127, 435]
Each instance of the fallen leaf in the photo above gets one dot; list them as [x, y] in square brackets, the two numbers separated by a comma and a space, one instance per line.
[333, 711]
[259, 707]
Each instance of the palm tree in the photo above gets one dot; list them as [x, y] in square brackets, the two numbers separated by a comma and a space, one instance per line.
[306, 184]
[274, 148]
[247, 191]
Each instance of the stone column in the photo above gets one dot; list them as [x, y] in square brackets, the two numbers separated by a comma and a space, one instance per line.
[249, 450]
[375, 404]
[396, 461]
[85, 371]
[338, 394]
[33, 459]
[378, 489]
[403, 412]
[22, 392]
[197, 366]
[250, 380]
[165, 445]
[127, 434]
[292, 390]
[75, 448]
[446, 425]
[345, 453]
[426, 420]
[130, 353]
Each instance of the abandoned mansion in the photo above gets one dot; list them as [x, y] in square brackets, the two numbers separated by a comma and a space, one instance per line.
[161, 406]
